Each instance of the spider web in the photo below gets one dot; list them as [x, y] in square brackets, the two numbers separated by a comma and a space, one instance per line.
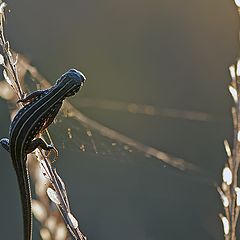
[90, 136]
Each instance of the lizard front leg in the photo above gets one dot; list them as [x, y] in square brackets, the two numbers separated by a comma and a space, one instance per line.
[32, 96]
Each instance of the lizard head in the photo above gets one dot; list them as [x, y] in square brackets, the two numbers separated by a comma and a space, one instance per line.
[72, 80]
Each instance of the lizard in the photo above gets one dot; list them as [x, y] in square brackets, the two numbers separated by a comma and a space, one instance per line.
[39, 110]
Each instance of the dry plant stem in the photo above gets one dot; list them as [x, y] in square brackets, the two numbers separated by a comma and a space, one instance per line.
[235, 172]
[236, 156]
[230, 192]
[52, 175]
[8, 58]
[63, 206]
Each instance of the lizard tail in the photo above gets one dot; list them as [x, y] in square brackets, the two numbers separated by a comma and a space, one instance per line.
[25, 193]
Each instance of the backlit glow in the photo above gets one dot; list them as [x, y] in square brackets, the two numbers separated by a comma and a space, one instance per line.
[233, 92]
[223, 197]
[232, 72]
[238, 68]
[225, 225]
[227, 148]
[237, 2]
[238, 136]
[227, 175]
[237, 190]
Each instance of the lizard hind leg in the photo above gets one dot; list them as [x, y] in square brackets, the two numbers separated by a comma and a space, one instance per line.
[39, 142]
[5, 143]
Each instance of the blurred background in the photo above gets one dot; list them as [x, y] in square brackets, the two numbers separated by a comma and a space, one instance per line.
[169, 54]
